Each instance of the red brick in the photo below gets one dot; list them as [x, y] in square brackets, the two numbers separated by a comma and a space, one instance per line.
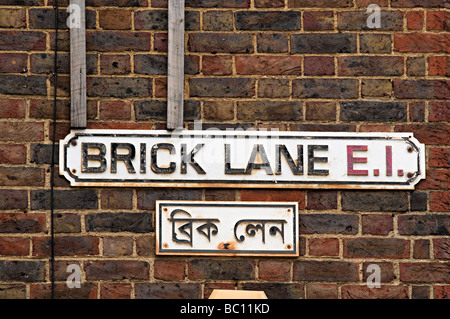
[13, 199]
[319, 65]
[437, 179]
[441, 248]
[384, 292]
[87, 290]
[169, 269]
[318, 20]
[386, 271]
[439, 65]
[274, 196]
[22, 131]
[322, 200]
[115, 64]
[115, 291]
[439, 111]
[23, 40]
[419, 3]
[274, 270]
[442, 292]
[13, 154]
[421, 42]
[377, 224]
[432, 272]
[66, 246]
[321, 291]
[439, 157]
[324, 247]
[22, 176]
[438, 21]
[421, 249]
[440, 201]
[13, 62]
[14, 246]
[434, 134]
[114, 110]
[415, 20]
[217, 65]
[22, 223]
[12, 108]
[269, 65]
[319, 3]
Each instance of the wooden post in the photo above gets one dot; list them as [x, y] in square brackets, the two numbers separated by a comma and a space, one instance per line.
[77, 63]
[175, 80]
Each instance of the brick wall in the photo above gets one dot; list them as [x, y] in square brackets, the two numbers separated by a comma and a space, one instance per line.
[296, 65]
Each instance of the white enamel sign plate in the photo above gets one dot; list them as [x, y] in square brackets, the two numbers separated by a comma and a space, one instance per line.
[226, 228]
[250, 159]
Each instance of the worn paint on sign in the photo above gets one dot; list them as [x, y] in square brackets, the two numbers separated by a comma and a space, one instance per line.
[256, 159]
[226, 228]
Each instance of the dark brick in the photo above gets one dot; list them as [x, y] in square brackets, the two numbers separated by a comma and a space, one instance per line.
[318, 20]
[425, 272]
[146, 197]
[419, 3]
[321, 200]
[308, 270]
[421, 249]
[13, 63]
[112, 41]
[357, 20]
[370, 65]
[421, 89]
[157, 64]
[418, 201]
[218, 21]
[66, 246]
[23, 84]
[222, 87]
[373, 111]
[22, 176]
[65, 199]
[88, 290]
[269, 111]
[268, 20]
[221, 42]
[44, 63]
[319, 3]
[40, 18]
[13, 199]
[328, 224]
[423, 225]
[117, 270]
[167, 290]
[119, 87]
[313, 43]
[377, 224]
[67, 223]
[218, 3]
[157, 110]
[383, 292]
[221, 269]
[42, 154]
[319, 65]
[325, 88]
[22, 40]
[22, 223]
[272, 43]
[375, 43]
[120, 222]
[376, 248]
[275, 290]
[22, 270]
[371, 201]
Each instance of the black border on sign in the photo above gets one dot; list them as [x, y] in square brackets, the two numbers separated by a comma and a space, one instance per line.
[253, 182]
[293, 252]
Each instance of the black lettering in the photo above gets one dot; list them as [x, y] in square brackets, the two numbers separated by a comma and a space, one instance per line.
[143, 169]
[228, 169]
[189, 158]
[126, 158]
[86, 157]
[312, 160]
[265, 162]
[297, 169]
[154, 155]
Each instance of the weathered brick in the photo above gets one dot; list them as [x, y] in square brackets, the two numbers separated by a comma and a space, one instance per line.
[273, 87]
[384, 292]
[440, 201]
[119, 87]
[421, 42]
[115, 64]
[441, 291]
[439, 111]
[386, 271]
[44, 63]
[22, 40]
[217, 65]
[371, 201]
[419, 3]
[321, 291]
[437, 179]
[309, 270]
[420, 225]
[13, 199]
[439, 65]
[66, 246]
[370, 66]
[328, 224]
[269, 111]
[421, 249]
[376, 88]
[415, 66]
[319, 3]
[22, 176]
[14, 246]
[67, 223]
[65, 199]
[158, 20]
[119, 222]
[420, 292]
[221, 42]
[13, 154]
[268, 65]
[439, 157]
[319, 65]
[111, 41]
[22, 270]
[376, 248]
[117, 246]
[157, 64]
[373, 111]
[169, 269]
[435, 134]
[13, 63]
[441, 248]
[273, 270]
[117, 270]
[272, 43]
[314, 43]
[325, 88]
[12, 108]
[274, 196]
[88, 290]
[322, 199]
[275, 290]
[268, 20]
[269, 3]
[415, 20]
[12, 291]
[157, 110]
[22, 223]
[115, 291]
[167, 290]
[117, 198]
[223, 269]
[41, 18]
[421, 89]
[318, 20]
[222, 87]
[114, 19]
[357, 20]
[12, 18]
[377, 224]
[114, 110]
[375, 43]
[23, 84]
[417, 111]
[324, 246]
[425, 272]
[218, 21]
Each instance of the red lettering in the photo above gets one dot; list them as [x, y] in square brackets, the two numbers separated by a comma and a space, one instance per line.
[352, 160]
[388, 160]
